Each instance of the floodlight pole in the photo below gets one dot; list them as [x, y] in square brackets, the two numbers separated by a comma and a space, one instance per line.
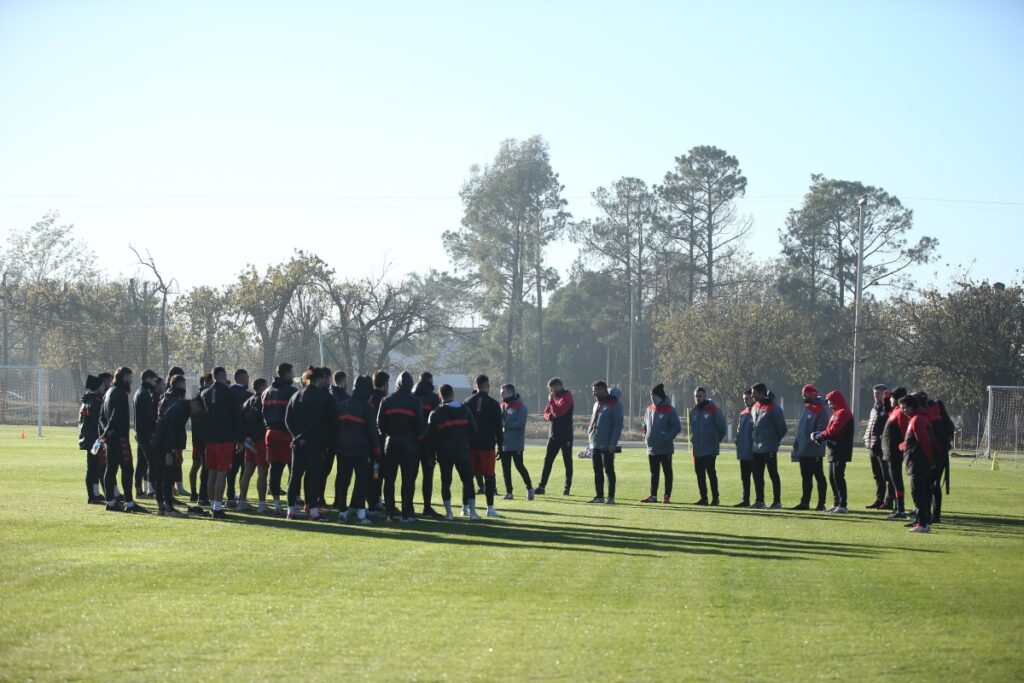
[858, 292]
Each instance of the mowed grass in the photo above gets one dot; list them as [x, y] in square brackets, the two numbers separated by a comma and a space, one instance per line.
[558, 590]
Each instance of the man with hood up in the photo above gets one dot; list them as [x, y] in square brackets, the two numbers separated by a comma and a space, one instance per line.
[813, 418]
[604, 432]
[357, 444]
[424, 393]
[450, 428]
[838, 436]
[919, 450]
[768, 427]
[88, 432]
[400, 421]
[707, 429]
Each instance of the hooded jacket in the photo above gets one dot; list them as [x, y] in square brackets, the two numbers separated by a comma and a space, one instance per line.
[223, 415]
[661, 427]
[88, 419]
[769, 425]
[169, 432]
[487, 414]
[169, 398]
[707, 429]
[918, 443]
[145, 414]
[401, 414]
[513, 422]
[275, 401]
[814, 417]
[606, 422]
[839, 432]
[310, 417]
[893, 434]
[450, 429]
[114, 422]
[252, 415]
[558, 414]
[339, 394]
[429, 399]
[357, 423]
[745, 436]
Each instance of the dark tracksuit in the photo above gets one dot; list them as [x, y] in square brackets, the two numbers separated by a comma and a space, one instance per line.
[88, 432]
[813, 418]
[768, 428]
[274, 406]
[424, 393]
[199, 426]
[162, 405]
[241, 394]
[357, 444]
[661, 427]
[145, 422]
[114, 429]
[918, 451]
[839, 445]
[168, 437]
[943, 430]
[892, 437]
[339, 395]
[707, 429]
[745, 452]
[450, 428]
[513, 441]
[604, 432]
[873, 442]
[376, 483]
[400, 421]
[487, 438]
[310, 417]
[558, 413]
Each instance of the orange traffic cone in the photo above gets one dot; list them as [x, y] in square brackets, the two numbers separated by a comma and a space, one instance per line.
[22, 433]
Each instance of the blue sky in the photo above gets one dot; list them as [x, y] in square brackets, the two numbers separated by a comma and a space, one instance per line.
[220, 133]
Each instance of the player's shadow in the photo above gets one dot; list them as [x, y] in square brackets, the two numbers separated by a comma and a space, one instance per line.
[975, 523]
[581, 537]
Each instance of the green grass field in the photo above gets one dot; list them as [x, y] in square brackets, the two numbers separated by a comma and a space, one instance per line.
[558, 590]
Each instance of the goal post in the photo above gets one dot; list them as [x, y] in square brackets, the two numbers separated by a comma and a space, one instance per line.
[1004, 424]
[23, 392]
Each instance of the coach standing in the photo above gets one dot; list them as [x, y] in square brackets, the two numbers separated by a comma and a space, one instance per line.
[769, 426]
[661, 427]
[558, 414]
[707, 429]
[813, 418]
[884, 493]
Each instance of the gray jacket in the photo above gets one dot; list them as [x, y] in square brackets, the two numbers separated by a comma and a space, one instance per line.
[813, 418]
[513, 420]
[707, 429]
[769, 425]
[606, 422]
[661, 427]
[745, 436]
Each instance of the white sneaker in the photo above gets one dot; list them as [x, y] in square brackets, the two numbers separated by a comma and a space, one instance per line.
[841, 511]
[493, 513]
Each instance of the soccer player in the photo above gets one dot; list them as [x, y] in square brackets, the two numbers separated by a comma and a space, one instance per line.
[814, 417]
[424, 393]
[168, 441]
[604, 431]
[487, 439]
[224, 430]
[278, 440]
[661, 427]
[558, 414]
[310, 418]
[88, 433]
[380, 390]
[357, 444]
[197, 418]
[255, 446]
[918, 450]
[179, 456]
[341, 482]
[144, 401]
[893, 433]
[513, 439]
[707, 429]
[400, 421]
[449, 429]
[240, 390]
[114, 430]
[838, 435]
[873, 442]
[769, 426]
[943, 430]
[745, 447]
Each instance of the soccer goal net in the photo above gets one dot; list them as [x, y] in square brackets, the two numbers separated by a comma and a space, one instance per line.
[1004, 424]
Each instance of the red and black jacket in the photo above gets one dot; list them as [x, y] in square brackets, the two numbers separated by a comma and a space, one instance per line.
[893, 433]
[558, 412]
[275, 401]
[839, 432]
[400, 415]
[450, 428]
[169, 433]
[88, 419]
[357, 424]
[223, 415]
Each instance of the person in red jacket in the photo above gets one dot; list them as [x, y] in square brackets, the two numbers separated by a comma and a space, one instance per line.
[558, 413]
[838, 436]
[918, 450]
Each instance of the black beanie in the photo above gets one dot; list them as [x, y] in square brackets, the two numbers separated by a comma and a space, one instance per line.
[92, 383]
[658, 390]
[898, 393]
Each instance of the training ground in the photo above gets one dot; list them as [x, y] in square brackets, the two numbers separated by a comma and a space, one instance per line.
[557, 590]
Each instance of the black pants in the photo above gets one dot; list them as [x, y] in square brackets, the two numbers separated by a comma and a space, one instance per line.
[307, 463]
[509, 457]
[604, 464]
[883, 483]
[941, 465]
[142, 462]
[705, 469]
[812, 470]
[837, 477]
[119, 457]
[746, 472]
[400, 454]
[770, 462]
[895, 467]
[274, 485]
[659, 463]
[237, 460]
[446, 465]
[554, 446]
[93, 472]
[328, 467]
[375, 487]
[161, 476]
[347, 468]
[427, 460]
[922, 479]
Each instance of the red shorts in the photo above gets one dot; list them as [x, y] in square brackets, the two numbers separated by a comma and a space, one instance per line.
[198, 452]
[279, 446]
[260, 456]
[482, 463]
[219, 456]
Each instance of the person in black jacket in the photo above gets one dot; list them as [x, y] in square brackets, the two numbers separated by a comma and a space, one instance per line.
[168, 439]
[114, 430]
[400, 421]
[88, 433]
[424, 393]
[340, 395]
[380, 390]
[278, 440]
[310, 419]
[145, 420]
[357, 444]
[197, 419]
[240, 390]
[487, 441]
[884, 492]
[255, 447]
[450, 428]
[224, 430]
[558, 413]
[178, 458]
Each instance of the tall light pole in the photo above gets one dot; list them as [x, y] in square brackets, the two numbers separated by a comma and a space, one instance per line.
[855, 389]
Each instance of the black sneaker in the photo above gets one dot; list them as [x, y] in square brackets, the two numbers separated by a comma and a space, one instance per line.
[714, 502]
[936, 519]
[220, 514]
[565, 492]
[742, 504]
[431, 513]
[194, 498]
[135, 508]
[801, 506]
[702, 501]
[97, 500]
[820, 507]
[197, 511]
[204, 502]
[539, 491]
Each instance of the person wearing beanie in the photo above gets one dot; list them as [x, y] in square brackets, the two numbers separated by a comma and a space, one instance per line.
[513, 419]
[179, 474]
[814, 417]
[873, 442]
[661, 427]
[745, 447]
[707, 429]
[838, 436]
[893, 433]
[88, 432]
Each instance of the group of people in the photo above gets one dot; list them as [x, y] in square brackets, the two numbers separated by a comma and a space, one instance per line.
[372, 439]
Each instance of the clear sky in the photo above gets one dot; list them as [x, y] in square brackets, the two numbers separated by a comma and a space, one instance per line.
[219, 133]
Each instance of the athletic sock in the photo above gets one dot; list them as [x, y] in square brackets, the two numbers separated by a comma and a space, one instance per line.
[362, 513]
[216, 506]
[292, 509]
[447, 507]
[490, 509]
[130, 504]
[95, 489]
